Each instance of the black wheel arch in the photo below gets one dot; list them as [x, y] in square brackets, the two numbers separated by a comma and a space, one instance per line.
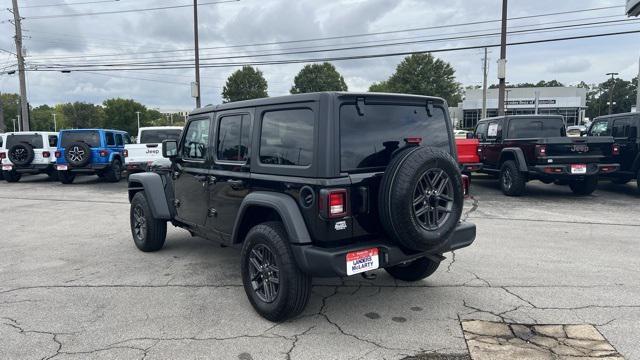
[154, 190]
[516, 155]
[262, 206]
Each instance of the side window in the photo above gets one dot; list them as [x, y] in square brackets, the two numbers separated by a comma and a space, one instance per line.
[233, 138]
[111, 141]
[119, 141]
[196, 139]
[493, 129]
[1, 141]
[481, 131]
[287, 137]
[600, 128]
[620, 128]
[127, 139]
[53, 141]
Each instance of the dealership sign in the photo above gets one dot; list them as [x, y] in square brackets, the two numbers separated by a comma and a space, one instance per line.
[531, 102]
[633, 7]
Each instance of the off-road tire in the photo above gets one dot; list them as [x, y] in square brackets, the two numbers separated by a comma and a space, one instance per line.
[53, 175]
[512, 181]
[584, 187]
[85, 157]
[1, 174]
[66, 177]
[151, 236]
[638, 182]
[28, 154]
[399, 195]
[294, 286]
[416, 270]
[114, 172]
[12, 176]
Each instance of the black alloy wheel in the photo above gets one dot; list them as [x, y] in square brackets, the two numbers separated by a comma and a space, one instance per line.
[139, 223]
[264, 273]
[433, 199]
[507, 179]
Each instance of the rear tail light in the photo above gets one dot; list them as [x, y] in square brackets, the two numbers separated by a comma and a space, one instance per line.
[58, 154]
[615, 149]
[3, 155]
[553, 170]
[125, 153]
[46, 154]
[104, 153]
[413, 140]
[466, 184]
[333, 203]
[541, 150]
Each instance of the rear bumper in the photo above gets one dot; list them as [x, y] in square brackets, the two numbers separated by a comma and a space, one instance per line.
[135, 167]
[564, 170]
[470, 167]
[33, 168]
[88, 169]
[331, 262]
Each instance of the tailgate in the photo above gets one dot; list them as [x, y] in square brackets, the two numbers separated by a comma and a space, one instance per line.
[467, 151]
[143, 153]
[578, 149]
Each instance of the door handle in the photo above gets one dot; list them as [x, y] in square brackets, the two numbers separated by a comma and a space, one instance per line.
[235, 184]
[211, 180]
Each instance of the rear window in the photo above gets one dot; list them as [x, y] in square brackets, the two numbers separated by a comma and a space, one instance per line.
[535, 128]
[158, 136]
[91, 138]
[369, 141]
[33, 140]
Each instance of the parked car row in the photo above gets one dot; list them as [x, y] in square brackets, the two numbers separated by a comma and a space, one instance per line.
[517, 149]
[69, 153]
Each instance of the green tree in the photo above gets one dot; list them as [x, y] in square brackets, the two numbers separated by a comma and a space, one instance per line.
[42, 118]
[422, 74]
[318, 77]
[245, 84]
[10, 107]
[541, 83]
[121, 114]
[623, 93]
[79, 115]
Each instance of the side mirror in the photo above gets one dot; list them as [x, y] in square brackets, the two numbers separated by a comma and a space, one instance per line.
[169, 149]
[471, 136]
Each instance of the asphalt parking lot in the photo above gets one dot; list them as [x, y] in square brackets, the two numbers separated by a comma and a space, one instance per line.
[73, 285]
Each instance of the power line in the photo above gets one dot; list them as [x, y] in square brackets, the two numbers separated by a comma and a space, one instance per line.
[126, 11]
[69, 4]
[355, 57]
[358, 35]
[349, 48]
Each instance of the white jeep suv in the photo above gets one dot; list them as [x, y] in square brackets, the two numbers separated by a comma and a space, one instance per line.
[28, 153]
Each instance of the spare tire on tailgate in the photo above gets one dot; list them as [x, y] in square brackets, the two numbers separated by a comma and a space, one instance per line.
[21, 154]
[78, 154]
[421, 198]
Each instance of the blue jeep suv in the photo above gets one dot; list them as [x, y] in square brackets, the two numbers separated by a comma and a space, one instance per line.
[91, 151]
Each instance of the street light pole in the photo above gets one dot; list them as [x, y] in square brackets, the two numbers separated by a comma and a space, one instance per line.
[55, 124]
[197, 52]
[138, 114]
[502, 63]
[613, 84]
[14, 125]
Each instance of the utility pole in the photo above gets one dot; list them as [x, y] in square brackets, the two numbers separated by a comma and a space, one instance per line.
[613, 85]
[138, 114]
[24, 104]
[502, 63]
[196, 50]
[484, 83]
[2, 126]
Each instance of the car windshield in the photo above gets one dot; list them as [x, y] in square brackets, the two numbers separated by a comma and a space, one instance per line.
[159, 135]
[526, 128]
[90, 137]
[369, 141]
[34, 140]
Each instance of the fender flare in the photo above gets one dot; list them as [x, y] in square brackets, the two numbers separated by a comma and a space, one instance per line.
[115, 154]
[284, 205]
[519, 156]
[153, 187]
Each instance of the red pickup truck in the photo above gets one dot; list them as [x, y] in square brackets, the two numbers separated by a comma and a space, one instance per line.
[468, 158]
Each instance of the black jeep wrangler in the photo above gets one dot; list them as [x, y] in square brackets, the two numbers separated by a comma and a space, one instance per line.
[324, 184]
[624, 130]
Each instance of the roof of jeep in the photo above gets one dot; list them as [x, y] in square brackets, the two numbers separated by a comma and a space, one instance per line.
[516, 117]
[79, 130]
[288, 99]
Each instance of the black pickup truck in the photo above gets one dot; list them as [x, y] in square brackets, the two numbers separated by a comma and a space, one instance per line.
[535, 147]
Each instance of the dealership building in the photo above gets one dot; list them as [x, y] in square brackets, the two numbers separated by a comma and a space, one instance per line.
[570, 102]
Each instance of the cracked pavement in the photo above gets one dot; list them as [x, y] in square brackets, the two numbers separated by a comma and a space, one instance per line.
[73, 285]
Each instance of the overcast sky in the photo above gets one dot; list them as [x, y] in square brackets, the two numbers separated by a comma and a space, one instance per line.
[260, 21]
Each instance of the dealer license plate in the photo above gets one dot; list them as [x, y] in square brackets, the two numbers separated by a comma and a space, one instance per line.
[578, 169]
[361, 261]
[62, 167]
[7, 167]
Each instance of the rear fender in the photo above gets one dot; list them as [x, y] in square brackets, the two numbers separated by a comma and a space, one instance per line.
[153, 187]
[517, 155]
